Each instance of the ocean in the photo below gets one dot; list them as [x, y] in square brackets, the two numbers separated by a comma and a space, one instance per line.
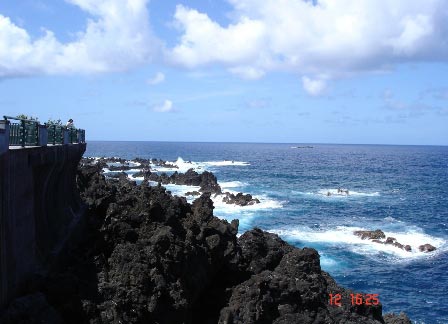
[402, 190]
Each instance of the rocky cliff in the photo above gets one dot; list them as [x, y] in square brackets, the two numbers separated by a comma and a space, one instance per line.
[149, 257]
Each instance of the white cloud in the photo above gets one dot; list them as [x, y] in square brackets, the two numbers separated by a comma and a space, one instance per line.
[117, 38]
[166, 106]
[205, 41]
[156, 79]
[314, 87]
[248, 72]
[331, 38]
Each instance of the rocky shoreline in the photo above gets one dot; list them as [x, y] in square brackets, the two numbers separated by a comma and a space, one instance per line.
[146, 256]
[205, 180]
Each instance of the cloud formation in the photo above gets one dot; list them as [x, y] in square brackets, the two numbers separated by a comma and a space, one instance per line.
[314, 87]
[166, 106]
[116, 39]
[313, 38]
[156, 79]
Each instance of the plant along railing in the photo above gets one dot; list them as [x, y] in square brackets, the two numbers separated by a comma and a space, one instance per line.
[23, 133]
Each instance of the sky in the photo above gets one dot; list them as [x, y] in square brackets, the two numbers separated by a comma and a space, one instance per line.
[280, 71]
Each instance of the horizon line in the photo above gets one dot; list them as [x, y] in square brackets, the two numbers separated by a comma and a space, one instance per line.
[286, 143]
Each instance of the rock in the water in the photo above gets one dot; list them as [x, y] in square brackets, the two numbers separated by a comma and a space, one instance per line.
[427, 248]
[378, 236]
[206, 180]
[240, 199]
[371, 235]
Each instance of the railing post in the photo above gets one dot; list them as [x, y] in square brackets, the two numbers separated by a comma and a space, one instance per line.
[54, 134]
[22, 133]
[36, 135]
[65, 135]
[4, 136]
[43, 135]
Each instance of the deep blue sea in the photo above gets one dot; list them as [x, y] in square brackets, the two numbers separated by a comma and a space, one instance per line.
[402, 190]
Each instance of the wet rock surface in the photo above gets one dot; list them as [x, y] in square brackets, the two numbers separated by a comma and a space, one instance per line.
[148, 257]
[206, 180]
[379, 237]
[427, 248]
[240, 199]
[371, 235]
[401, 318]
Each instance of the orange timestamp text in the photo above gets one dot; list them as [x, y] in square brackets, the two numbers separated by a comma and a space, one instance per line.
[356, 299]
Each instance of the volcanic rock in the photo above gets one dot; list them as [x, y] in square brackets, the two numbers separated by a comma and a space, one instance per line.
[371, 235]
[206, 181]
[148, 257]
[427, 248]
[240, 199]
[192, 193]
[401, 318]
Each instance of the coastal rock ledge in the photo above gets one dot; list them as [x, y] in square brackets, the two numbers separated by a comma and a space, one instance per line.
[145, 256]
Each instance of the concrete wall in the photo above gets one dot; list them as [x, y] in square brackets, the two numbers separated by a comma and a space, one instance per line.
[39, 208]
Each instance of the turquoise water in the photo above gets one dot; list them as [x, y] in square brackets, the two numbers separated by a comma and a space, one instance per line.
[402, 190]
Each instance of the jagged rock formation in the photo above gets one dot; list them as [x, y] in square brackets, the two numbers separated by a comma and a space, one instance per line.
[148, 257]
[371, 235]
[379, 237]
[206, 180]
[240, 199]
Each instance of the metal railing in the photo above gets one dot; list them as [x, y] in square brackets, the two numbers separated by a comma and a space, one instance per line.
[27, 132]
[55, 134]
[23, 133]
[81, 136]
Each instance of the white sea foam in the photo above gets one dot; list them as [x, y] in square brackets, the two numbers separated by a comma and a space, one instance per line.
[232, 184]
[179, 165]
[106, 170]
[164, 169]
[180, 190]
[183, 166]
[265, 203]
[343, 235]
[327, 262]
[226, 163]
[334, 193]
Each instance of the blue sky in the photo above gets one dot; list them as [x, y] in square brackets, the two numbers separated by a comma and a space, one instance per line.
[295, 71]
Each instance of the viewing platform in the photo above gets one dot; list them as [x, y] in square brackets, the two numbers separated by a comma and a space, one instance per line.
[40, 208]
[25, 133]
